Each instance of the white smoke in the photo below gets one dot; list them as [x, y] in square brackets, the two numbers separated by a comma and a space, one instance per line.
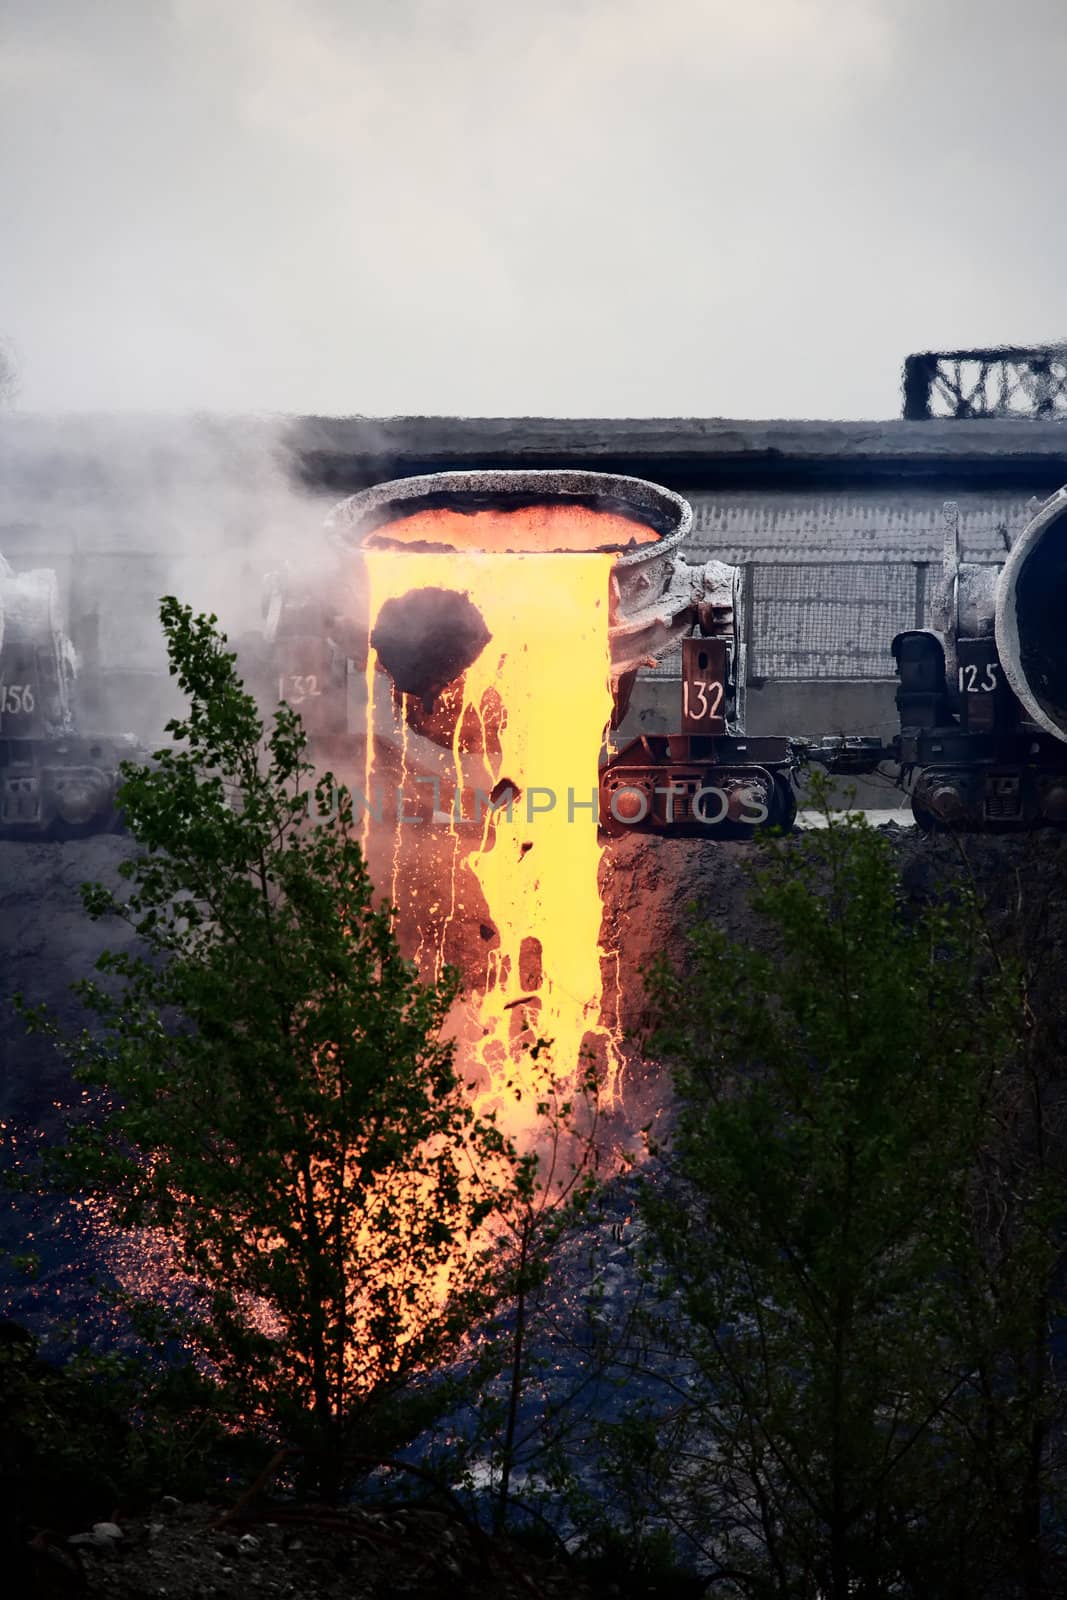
[574, 207]
[125, 510]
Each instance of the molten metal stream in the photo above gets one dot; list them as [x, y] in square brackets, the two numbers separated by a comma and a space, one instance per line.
[536, 703]
[540, 692]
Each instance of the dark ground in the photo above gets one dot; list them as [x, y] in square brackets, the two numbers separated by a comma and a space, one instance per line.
[184, 1553]
[653, 890]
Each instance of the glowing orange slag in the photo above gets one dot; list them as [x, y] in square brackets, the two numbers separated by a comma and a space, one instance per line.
[547, 529]
[541, 695]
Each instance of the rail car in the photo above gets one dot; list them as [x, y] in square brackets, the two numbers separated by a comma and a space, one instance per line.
[55, 781]
[981, 696]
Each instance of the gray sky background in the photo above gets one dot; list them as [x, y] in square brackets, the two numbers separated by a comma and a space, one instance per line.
[742, 208]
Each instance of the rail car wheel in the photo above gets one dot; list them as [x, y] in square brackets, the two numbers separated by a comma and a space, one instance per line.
[784, 805]
[925, 819]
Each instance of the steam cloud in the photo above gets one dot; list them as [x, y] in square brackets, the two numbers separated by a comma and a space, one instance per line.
[127, 510]
[578, 207]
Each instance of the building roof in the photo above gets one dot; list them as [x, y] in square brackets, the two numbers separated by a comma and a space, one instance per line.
[339, 453]
[347, 452]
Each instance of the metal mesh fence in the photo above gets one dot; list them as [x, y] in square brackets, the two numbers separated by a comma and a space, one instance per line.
[828, 621]
[831, 619]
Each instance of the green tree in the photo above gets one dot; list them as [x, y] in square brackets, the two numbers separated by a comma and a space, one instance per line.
[1008, 1423]
[842, 1345]
[276, 1094]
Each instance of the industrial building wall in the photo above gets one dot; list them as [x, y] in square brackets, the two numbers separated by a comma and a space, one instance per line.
[833, 575]
[127, 509]
[858, 524]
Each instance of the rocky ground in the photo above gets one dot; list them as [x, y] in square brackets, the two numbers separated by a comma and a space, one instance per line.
[46, 943]
[194, 1552]
[654, 890]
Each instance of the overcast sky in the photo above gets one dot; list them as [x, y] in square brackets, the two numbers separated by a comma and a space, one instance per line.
[742, 208]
